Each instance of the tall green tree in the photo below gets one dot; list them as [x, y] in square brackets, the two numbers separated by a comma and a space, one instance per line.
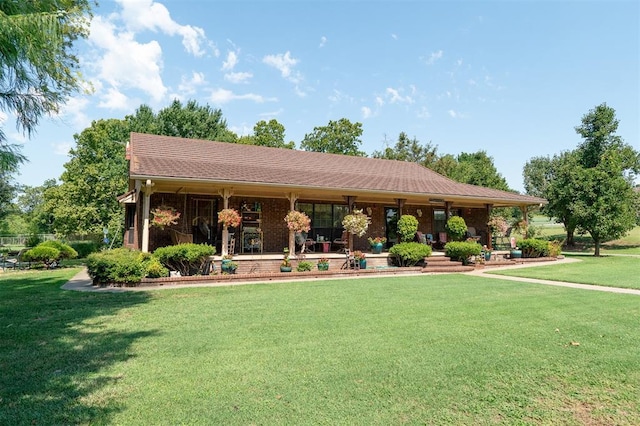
[473, 168]
[407, 149]
[270, 134]
[192, 121]
[590, 189]
[337, 137]
[38, 68]
[85, 202]
[31, 205]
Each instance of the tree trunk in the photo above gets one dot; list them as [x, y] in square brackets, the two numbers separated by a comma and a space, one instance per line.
[597, 250]
[570, 241]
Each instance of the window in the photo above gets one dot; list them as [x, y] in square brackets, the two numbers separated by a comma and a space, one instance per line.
[326, 219]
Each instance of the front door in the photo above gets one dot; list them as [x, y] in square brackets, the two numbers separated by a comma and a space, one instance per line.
[391, 225]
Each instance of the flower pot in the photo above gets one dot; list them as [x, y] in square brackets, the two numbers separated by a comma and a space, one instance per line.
[323, 266]
[285, 268]
[516, 254]
[487, 255]
[363, 263]
[228, 266]
[376, 248]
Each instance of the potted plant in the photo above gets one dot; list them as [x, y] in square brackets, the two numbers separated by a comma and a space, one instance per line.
[486, 253]
[376, 244]
[285, 266]
[164, 216]
[323, 264]
[356, 223]
[227, 263]
[297, 222]
[360, 257]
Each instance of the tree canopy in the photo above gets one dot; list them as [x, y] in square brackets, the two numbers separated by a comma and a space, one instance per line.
[267, 134]
[590, 188]
[38, 69]
[337, 137]
[85, 202]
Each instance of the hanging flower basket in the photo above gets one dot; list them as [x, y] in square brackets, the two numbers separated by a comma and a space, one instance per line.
[229, 217]
[356, 223]
[297, 221]
[164, 216]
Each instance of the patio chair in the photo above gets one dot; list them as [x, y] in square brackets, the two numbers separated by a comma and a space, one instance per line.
[350, 262]
[178, 237]
[342, 242]
[305, 242]
[471, 233]
[430, 239]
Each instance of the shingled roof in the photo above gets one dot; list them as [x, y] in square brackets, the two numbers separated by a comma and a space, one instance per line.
[171, 158]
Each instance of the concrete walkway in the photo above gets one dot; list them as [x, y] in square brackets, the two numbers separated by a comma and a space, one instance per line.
[487, 273]
[82, 282]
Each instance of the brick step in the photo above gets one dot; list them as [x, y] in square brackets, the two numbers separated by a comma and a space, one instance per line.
[452, 268]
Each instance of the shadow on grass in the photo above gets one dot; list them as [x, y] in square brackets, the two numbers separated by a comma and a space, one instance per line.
[55, 348]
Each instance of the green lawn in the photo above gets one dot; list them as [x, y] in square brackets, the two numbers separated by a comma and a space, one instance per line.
[439, 349]
[610, 271]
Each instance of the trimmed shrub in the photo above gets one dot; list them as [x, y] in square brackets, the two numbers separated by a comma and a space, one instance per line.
[46, 255]
[532, 247]
[154, 269]
[410, 254]
[462, 250]
[456, 228]
[66, 251]
[85, 248]
[50, 253]
[188, 259]
[555, 248]
[304, 266]
[407, 227]
[119, 266]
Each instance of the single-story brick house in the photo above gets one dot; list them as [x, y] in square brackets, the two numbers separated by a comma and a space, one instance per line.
[199, 178]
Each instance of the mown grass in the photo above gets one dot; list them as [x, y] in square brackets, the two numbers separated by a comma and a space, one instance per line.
[609, 271]
[448, 349]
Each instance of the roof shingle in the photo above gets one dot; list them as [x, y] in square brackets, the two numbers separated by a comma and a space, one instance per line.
[155, 156]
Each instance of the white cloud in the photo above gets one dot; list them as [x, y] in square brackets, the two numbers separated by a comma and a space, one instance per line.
[455, 114]
[125, 63]
[423, 113]
[114, 99]
[379, 101]
[283, 63]
[434, 57]
[75, 108]
[238, 77]
[61, 148]
[3, 117]
[366, 112]
[231, 62]
[149, 15]
[394, 96]
[323, 41]
[299, 92]
[223, 96]
[271, 113]
[189, 85]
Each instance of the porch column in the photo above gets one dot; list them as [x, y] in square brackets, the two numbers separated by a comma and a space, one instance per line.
[400, 202]
[447, 208]
[292, 197]
[525, 219]
[225, 194]
[147, 189]
[489, 207]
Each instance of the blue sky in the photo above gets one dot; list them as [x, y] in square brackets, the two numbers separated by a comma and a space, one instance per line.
[512, 78]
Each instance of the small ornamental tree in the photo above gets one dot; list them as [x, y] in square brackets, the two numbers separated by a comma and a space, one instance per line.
[456, 228]
[407, 227]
